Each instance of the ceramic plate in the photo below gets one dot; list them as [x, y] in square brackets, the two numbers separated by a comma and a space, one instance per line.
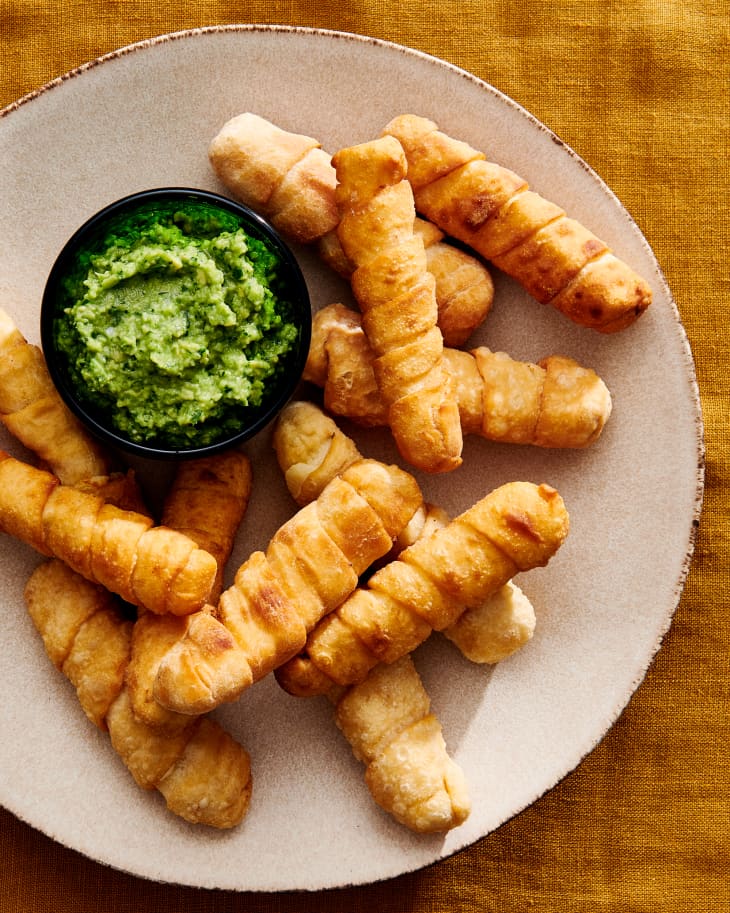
[143, 117]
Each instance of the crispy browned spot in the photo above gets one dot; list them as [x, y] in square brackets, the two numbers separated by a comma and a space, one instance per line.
[216, 639]
[593, 247]
[271, 605]
[522, 523]
[477, 210]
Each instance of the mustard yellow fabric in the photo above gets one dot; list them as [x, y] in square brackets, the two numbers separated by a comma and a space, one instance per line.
[641, 90]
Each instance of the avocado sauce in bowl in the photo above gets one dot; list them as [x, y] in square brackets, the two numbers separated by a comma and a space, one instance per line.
[175, 322]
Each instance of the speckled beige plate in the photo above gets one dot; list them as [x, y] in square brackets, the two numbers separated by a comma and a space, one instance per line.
[142, 118]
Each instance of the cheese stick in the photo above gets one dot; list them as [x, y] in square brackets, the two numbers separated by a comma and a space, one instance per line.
[32, 410]
[310, 566]
[554, 403]
[490, 208]
[396, 296]
[156, 567]
[388, 722]
[312, 450]
[386, 718]
[207, 501]
[201, 771]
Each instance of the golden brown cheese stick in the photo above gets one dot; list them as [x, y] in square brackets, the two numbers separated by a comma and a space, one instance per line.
[85, 634]
[495, 630]
[147, 735]
[386, 718]
[489, 632]
[285, 176]
[152, 635]
[388, 722]
[490, 208]
[207, 500]
[289, 178]
[310, 566]
[340, 362]
[554, 403]
[396, 296]
[32, 410]
[312, 450]
[202, 772]
[146, 565]
[516, 527]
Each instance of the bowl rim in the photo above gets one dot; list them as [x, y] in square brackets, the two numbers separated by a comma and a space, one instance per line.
[251, 221]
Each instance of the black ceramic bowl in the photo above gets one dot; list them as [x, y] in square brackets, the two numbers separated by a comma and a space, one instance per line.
[101, 412]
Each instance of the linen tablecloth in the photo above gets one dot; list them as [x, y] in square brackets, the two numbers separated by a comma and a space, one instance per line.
[640, 89]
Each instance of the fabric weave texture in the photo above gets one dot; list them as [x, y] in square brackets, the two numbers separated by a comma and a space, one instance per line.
[641, 90]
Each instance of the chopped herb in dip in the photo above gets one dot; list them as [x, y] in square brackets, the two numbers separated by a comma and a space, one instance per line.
[173, 323]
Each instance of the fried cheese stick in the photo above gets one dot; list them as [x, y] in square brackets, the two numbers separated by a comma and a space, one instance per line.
[490, 208]
[310, 566]
[147, 565]
[207, 501]
[289, 178]
[554, 403]
[202, 772]
[388, 722]
[32, 410]
[386, 718]
[395, 294]
[514, 528]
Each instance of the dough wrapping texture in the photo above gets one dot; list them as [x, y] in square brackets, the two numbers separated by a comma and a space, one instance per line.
[388, 722]
[554, 257]
[514, 528]
[33, 411]
[311, 564]
[202, 772]
[386, 718]
[554, 403]
[396, 296]
[149, 565]
[312, 450]
[207, 500]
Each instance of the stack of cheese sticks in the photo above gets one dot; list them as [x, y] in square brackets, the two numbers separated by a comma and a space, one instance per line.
[136, 614]
[458, 194]
[141, 679]
[91, 527]
[371, 210]
[290, 179]
[389, 707]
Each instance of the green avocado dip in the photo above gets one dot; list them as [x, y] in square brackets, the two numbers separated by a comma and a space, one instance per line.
[174, 322]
